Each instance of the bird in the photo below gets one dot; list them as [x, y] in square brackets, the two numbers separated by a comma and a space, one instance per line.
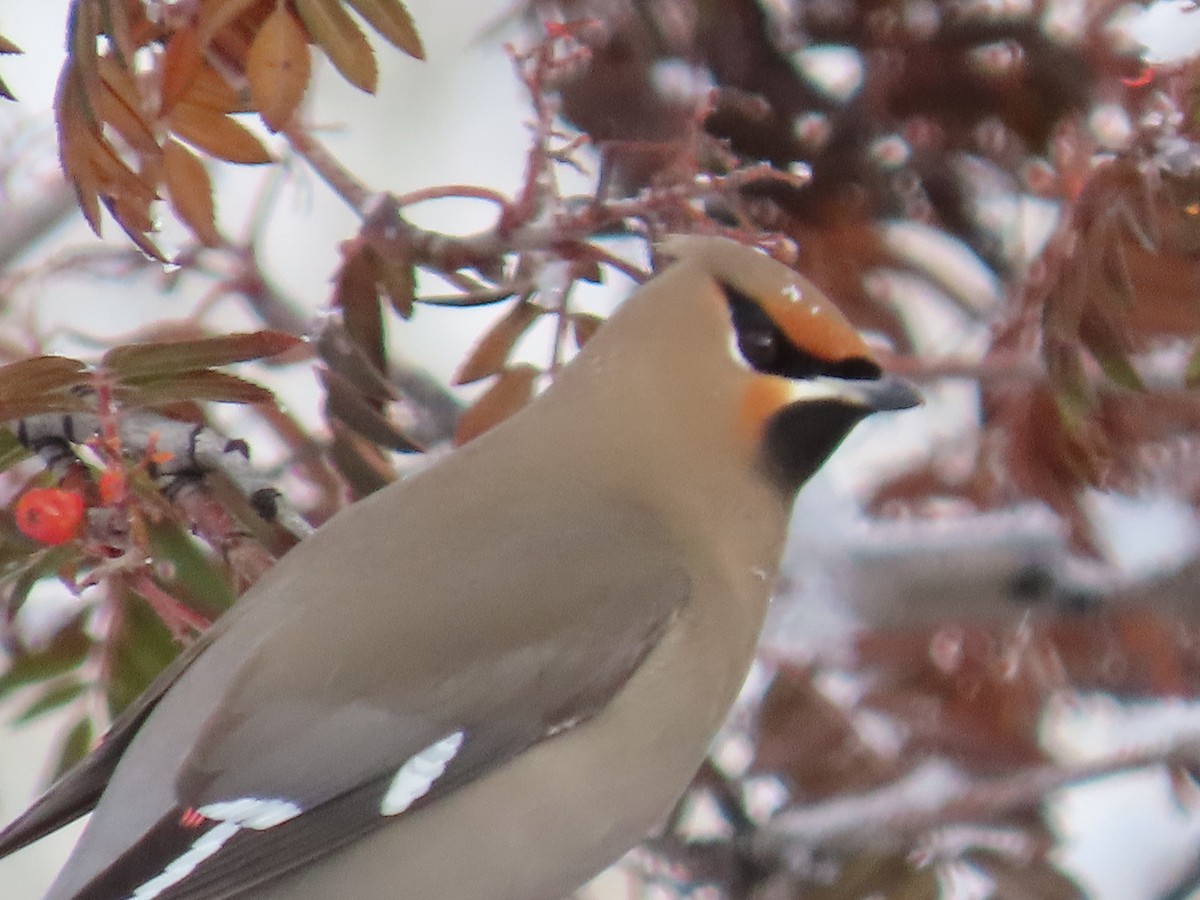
[494, 677]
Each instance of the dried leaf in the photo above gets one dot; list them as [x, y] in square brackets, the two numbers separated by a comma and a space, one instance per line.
[360, 462]
[122, 21]
[74, 131]
[882, 877]
[343, 41]
[355, 293]
[583, 326]
[216, 14]
[813, 744]
[216, 134]
[7, 47]
[96, 170]
[1020, 877]
[41, 375]
[392, 20]
[398, 279]
[210, 89]
[189, 190]
[1107, 339]
[121, 106]
[278, 68]
[173, 357]
[512, 390]
[491, 353]
[182, 61]
[345, 357]
[33, 406]
[82, 30]
[361, 414]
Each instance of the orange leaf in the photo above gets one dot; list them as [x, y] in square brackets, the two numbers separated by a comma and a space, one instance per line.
[127, 122]
[73, 128]
[120, 105]
[94, 167]
[181, 62]
[210, 89]
[491, 353]
[82, 29]
[189, 190]
[278, 68]
[216, 134]
[216, 14]
[391, 19]
[343, 41]
[512, 390]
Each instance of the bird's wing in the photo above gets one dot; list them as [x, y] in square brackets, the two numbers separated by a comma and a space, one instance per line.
[299, 760]
[76, 792]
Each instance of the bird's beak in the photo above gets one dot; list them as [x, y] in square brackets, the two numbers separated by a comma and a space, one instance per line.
[886, 394]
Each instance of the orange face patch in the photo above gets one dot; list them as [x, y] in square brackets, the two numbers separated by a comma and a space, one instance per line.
[812, 323]
[761, 399]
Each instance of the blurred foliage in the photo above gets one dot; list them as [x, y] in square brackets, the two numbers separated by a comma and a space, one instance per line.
[941, 119]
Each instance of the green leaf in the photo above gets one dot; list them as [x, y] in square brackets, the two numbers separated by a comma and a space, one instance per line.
[181, 357]
[1108, 344]
[45, 563]
[139, 648]
[1192, 374]
[12, 451]
[74, 747]
[66, 652]
[200, 384]
[57, 695]
[194, 578]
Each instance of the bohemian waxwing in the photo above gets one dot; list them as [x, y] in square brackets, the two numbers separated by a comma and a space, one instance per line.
[488, 681]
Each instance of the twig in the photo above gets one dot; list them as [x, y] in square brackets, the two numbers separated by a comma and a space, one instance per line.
[937, 795]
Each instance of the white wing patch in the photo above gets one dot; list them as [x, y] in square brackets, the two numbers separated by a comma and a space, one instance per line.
[252, 812]
[411, 782]
[182, 866]
[414, 779]
[231, 817]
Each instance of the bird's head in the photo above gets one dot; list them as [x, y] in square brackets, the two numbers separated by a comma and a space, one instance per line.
[743, 348]
[811, 377]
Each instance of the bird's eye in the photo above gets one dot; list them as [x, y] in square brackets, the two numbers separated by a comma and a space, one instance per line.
[761, 347]
[767, 349]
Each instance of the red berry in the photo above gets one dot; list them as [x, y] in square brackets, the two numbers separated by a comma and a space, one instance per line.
[50, 515]
[112, 486]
